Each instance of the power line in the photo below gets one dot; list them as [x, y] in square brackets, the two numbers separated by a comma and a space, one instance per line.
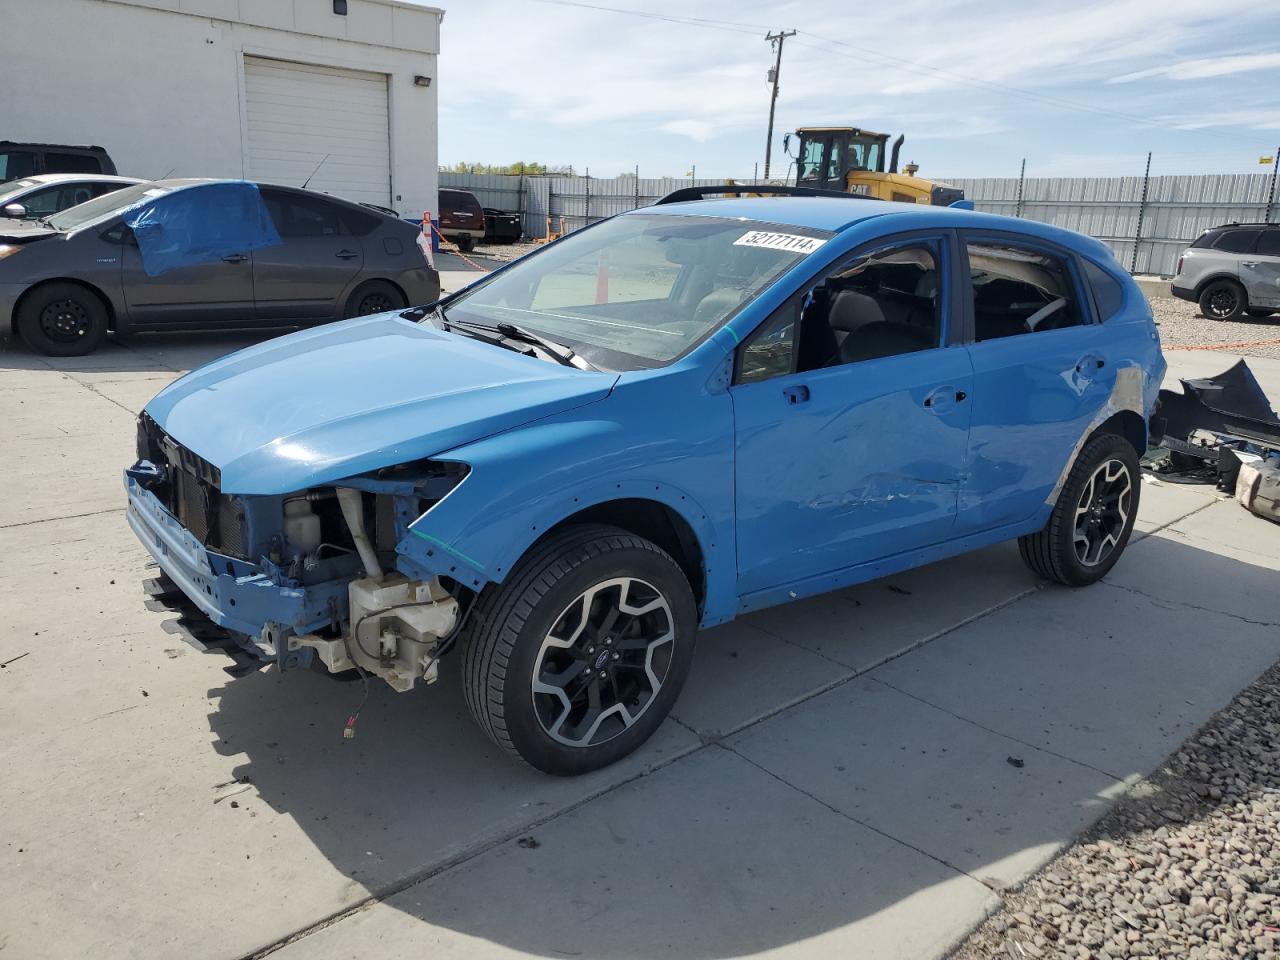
[816, 42]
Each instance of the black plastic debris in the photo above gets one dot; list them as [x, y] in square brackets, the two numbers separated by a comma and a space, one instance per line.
[1212, 421]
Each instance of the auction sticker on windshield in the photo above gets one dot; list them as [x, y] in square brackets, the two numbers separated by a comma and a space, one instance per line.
[779, 241]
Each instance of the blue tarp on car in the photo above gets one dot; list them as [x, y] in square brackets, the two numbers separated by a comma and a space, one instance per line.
[200, 224]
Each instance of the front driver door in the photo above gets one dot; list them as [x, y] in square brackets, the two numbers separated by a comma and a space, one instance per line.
[219, 291]
[1260, 271]
[851, 419]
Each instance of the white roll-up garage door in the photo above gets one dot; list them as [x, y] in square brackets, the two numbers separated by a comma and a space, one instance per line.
[298, 113]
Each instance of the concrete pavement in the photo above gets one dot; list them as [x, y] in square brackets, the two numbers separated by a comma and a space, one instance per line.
[858, 774]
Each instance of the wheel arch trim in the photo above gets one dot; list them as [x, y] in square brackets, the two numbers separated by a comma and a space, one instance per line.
[1129, 397]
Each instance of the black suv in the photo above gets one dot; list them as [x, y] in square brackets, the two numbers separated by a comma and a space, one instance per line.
[28, 159]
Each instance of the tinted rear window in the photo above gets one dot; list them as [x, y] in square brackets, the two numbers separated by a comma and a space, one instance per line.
[1269, 245]
[71, 163]
[1237, 241]
[1108, 294]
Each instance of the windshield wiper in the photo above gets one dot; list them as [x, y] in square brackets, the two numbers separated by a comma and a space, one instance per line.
[509, 333]
[558, 350]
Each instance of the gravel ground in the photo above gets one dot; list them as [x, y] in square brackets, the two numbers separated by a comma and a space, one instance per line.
[511, 251]
[1181, 325]
[1187, 865]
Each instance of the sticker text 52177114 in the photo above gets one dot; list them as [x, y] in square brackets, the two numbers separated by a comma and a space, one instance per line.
[779, 241]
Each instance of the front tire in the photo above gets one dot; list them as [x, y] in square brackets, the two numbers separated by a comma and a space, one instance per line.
[62, 320]
[577, 657]
[1093, 517]
[1223, 300]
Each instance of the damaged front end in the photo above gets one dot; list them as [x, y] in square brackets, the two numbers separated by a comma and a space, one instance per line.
[306, 577]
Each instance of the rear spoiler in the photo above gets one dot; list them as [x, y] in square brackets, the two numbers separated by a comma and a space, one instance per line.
[738, 189]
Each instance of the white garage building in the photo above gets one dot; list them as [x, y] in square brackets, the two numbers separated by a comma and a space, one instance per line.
[342, 91]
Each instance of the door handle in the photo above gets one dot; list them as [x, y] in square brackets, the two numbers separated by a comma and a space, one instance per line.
[1089, 364]
[346, 254]
[1248, 263]
[796, 395]
[942, 398]
[235, 258]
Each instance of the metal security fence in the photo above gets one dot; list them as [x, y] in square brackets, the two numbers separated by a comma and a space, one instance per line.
[1147, 221]
[579, 200]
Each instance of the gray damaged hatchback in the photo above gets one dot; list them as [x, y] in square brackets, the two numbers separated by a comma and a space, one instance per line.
[213, 254]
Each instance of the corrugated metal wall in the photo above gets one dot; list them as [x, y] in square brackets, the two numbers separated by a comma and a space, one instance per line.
[1176, 211]
[580, 200]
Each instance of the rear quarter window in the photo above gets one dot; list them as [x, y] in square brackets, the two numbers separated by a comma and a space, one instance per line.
[1269, 243]
[1237, 241]
[1108, 292]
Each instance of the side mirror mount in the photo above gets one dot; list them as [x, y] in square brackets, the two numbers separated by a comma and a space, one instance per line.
[15, 211]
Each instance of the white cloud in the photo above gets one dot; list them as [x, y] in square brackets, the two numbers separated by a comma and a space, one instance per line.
[698, 130]
[1206, 67]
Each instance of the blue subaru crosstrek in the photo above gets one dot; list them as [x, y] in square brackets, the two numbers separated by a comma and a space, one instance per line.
[675, 416]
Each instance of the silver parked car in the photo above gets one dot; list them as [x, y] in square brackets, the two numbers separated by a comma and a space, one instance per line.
[49, 193]
[1232, 270]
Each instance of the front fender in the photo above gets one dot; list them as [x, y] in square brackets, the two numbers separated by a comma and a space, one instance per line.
[524, 482]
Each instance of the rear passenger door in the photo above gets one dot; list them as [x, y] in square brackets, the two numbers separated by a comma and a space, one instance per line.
[304, 276]
[1042, 369]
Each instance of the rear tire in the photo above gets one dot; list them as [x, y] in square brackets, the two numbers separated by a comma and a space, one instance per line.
[1223, 300]
[466, 244]
[62, 320]
[1093, 517]
[376, 296]
[562, 658]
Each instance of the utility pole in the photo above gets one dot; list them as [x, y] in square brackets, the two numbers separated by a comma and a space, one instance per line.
[777, 40]
[1271, 192]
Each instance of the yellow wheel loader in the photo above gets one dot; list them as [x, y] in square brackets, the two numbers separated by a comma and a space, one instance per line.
[853, 161]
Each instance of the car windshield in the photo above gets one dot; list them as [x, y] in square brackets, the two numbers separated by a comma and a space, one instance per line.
[15, 188]
[107, 205]
[638, 290]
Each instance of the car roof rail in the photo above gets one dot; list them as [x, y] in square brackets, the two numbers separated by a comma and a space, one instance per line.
[738, 189]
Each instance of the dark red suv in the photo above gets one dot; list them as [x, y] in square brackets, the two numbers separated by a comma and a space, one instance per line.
[461, 217]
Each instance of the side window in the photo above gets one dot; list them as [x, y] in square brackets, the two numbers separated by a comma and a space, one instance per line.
[1108, 294]
[877, 305]
[1269, 243]
[297, 216]
[769, 351]
[41, 203]
[1017, 290]
[17, 163]
[71, 163]
[1237, 241]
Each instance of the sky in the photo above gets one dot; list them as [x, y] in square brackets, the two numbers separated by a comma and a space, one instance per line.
[1082, 88]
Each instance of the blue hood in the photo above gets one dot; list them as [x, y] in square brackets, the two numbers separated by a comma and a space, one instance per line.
[343, 399]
